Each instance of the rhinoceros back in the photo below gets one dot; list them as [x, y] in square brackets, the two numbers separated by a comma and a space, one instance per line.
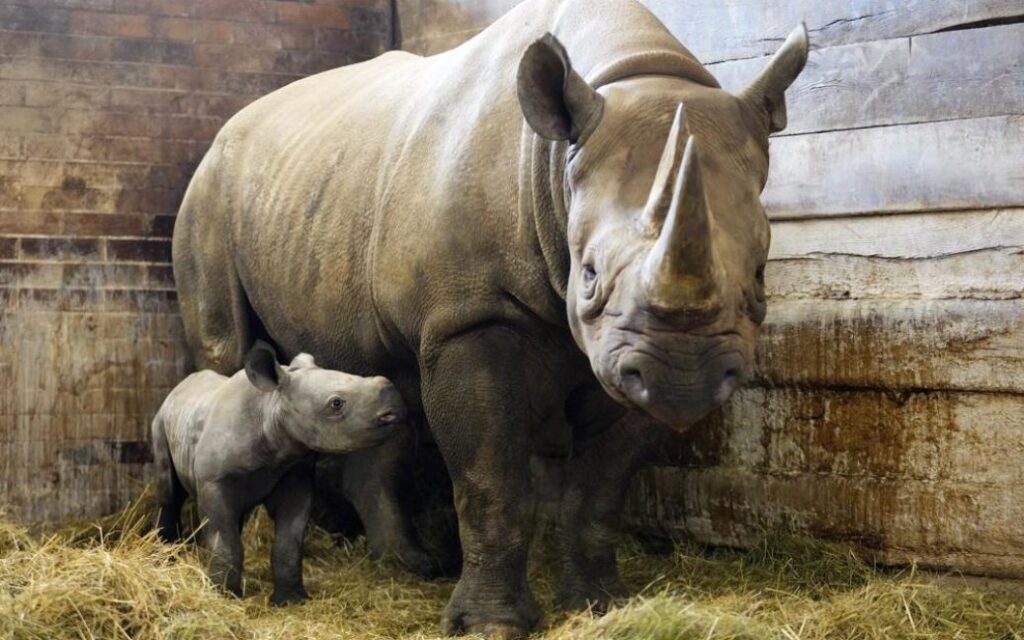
[336, 195]
[367, 206]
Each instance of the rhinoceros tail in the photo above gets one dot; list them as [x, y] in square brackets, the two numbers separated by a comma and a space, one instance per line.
[214, 309]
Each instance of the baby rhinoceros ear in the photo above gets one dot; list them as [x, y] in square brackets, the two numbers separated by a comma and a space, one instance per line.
[261, 367]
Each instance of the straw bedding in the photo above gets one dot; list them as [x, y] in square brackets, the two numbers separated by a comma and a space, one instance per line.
[114, 579]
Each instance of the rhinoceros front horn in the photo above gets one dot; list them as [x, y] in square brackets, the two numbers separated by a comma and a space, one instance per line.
[679, 270]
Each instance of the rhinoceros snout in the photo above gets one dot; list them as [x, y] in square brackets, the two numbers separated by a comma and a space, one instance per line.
[674, 393]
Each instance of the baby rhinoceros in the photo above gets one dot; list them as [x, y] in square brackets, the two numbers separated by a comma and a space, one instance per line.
[235, 443]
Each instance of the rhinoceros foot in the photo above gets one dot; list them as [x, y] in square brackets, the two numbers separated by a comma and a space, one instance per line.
[282, 597]
[597, 595]
[488, 608]
[499, 631]
[411, 557]
[422, 564]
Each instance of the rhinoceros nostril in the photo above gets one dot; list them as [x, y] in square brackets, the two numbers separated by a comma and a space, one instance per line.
[632, 383]
[390, 417]
[730, 380]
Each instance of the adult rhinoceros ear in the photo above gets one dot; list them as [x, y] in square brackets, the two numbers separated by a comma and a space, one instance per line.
[557, 102]
[261, 367]
[768, 90]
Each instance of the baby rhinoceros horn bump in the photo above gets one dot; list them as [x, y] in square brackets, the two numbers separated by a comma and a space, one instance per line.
[679, 270]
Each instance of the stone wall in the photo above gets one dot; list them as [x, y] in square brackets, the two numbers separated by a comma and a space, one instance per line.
[106, 106]
[889, 408]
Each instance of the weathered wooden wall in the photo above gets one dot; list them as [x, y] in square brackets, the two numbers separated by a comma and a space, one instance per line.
[105, 108]
[889, 408]
[890, 403]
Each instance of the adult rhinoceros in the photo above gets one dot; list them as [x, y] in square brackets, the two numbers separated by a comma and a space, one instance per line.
[528, 234]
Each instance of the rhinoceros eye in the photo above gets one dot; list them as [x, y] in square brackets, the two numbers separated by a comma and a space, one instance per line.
[759, 293]
[336, 404]
[589, 275]
[757, 305]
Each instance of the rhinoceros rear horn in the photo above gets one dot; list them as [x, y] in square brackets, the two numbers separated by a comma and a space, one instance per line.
[558, 104]
[661, 191]
[768, 89]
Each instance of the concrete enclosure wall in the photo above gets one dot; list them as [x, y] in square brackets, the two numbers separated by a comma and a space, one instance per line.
[106, 106]
[889, 408]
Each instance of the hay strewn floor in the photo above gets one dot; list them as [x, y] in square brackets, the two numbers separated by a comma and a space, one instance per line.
[112, 580]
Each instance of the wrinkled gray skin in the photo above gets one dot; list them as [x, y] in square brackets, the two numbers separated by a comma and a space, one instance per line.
[530, 236]
[235, 443]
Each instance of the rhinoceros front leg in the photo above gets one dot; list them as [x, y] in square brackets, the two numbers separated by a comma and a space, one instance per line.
[590, 513]
[290, 505]
[474, 396]
[220, 507]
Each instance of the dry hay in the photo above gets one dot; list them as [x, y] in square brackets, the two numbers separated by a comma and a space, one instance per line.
[113, 579]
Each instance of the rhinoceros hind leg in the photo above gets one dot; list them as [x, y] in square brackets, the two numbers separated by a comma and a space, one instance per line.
[372, 480]
[590, 512]
[215, 311]
[170, 494]
[218, 327]
[290, 505]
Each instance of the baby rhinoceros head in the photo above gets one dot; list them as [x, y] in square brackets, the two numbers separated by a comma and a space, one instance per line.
[328, 411]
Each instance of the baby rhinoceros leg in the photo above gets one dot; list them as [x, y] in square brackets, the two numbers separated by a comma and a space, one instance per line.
[170, 499]
[170, 494]
[290, 504]
[221, 509]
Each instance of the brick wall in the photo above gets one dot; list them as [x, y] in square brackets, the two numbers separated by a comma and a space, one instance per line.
[106, 106]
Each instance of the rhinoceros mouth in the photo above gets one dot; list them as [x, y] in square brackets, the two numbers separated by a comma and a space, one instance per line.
[674, 391]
